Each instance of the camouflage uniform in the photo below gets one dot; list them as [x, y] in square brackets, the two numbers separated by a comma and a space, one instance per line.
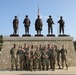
[63, 57]
[22, 57]
[58, 56]
[25, 65]
[14, 58]
[37, 56]
[29, 59]
[45, 59]
[41, 50]
[50, 58]
[53, 58]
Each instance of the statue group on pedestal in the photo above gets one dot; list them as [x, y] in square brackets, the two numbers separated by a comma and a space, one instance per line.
[38, 25]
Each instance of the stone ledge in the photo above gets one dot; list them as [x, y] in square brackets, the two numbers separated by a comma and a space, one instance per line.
[37, 38]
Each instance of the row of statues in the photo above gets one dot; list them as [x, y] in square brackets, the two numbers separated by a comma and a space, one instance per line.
[38, 25]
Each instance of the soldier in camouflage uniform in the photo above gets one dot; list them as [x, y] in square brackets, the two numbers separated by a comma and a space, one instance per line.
[21, 54]
[25, 48]
[50, 58]
[13, 53]
[63, 57]
[45, 58]
[41, 50]
[37, 59]
[29, 59]
[53, 58]
[58, 56]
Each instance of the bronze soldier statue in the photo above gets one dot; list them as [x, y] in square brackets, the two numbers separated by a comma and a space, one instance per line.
[61, 22]
[50, 23]
[15, 25]
[38, 25]
[26, 23]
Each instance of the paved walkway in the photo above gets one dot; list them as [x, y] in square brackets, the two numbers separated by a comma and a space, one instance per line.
[71, 70]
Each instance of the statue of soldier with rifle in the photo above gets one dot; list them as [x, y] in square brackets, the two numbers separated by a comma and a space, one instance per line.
[61, 25]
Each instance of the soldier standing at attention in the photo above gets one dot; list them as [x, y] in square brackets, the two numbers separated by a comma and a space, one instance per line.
[13, 53]
[61, 22]
[50, 22]
[50, 57]
[53, 57]
[21, 56]
[25, 48]
[58, 56]
[29, 59]
[64, 57]
[45, 58]
[41, 50]
[37, 56]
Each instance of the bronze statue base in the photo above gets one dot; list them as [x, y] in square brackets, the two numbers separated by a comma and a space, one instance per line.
[14, 35]
[50, 35]
[26, 35]
[39, 35]
[63, 35]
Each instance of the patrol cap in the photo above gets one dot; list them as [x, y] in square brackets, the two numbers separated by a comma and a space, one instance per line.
[14, 44]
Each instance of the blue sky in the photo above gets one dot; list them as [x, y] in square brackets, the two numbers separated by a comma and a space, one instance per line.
[10, 8]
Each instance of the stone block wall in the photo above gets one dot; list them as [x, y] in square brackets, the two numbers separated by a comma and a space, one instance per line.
[8, 42]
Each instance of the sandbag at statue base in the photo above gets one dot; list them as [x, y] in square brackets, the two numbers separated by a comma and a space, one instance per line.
[50, 35]
[26, 35]
[14, 35]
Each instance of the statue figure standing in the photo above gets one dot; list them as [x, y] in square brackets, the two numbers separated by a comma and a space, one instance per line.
[38, 25]
[61, 22]
[15, 25]
[50, 23]
[26, 23]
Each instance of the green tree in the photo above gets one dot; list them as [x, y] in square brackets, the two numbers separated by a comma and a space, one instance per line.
[1, 41]
[75, 45]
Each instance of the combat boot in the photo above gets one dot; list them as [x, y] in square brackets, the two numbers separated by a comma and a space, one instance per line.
[12, 68]
[66, 67]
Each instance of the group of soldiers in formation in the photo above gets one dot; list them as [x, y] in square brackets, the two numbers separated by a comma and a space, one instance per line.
[42, 58]
[38, 25]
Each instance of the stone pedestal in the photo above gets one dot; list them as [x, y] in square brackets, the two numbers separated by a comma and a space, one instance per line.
[26, 35]
[38, 35]
[50, 35]
[12, 35]
[64, 35]
[5, 59]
